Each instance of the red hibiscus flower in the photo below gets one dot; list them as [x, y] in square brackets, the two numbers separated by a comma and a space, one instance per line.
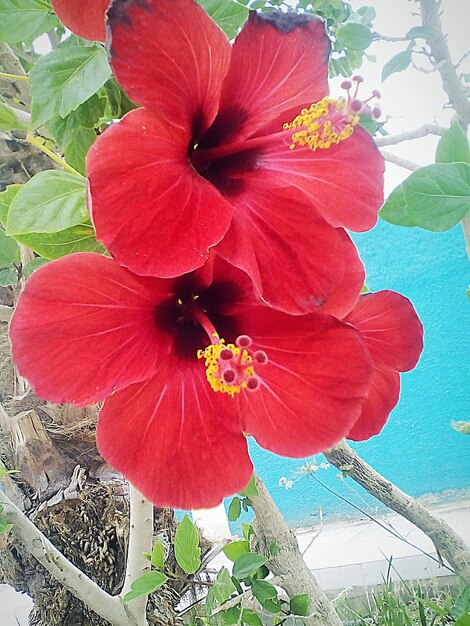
[186, 366]
[207, 162]
[393, 333]
[85, 18]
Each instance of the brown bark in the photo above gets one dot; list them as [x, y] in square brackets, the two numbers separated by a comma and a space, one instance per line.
[447, 542]
[277, 542]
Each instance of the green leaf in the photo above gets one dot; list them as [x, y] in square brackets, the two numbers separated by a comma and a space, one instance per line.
[145, 584]
[354, 36]
[5, 527]
[453, 146]
[8, 277]
[432, 605]
[368, 123]
[9, 251]
[234, 509]
[229, 15]
[48, 203]
[435, 197]
[463, 621]
[368, 14]
[251, 489]
[233, 550]
[24, 20]
[395, 209]
[251, 618]
[80, 238]
[187, 550]
[231, 616]
[158, 555]
[9, 119]
[417, 32]
[247, 530]
[220, 591]
[247, 564]
[397, 63]
[6, 198]
[266, 594]
[76, 150]
[299, 605]
[64, 78]
[33, 265]
[462, 604]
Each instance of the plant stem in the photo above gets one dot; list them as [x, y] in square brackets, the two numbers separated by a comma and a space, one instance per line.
[57, 159]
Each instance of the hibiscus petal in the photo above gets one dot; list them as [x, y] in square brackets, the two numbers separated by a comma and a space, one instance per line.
[85, 19]
[84, 326]
[170, 57]
[346, 294]
[279, 64]
[292, 255]
[176, 440]
[343, 182]
[312, 387]
[152, 211]
[383, 396]
[390, 327]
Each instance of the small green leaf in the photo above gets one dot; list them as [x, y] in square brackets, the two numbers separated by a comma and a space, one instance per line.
[273, 548]
[221, 590]
[299, 605]
[250, 618]
[354, 36]
[417, 32]
[397, 63]
[234, 509]
[6, 198]
[64, 78]
[5, 527]
[79, 238]
[76, 150]
[266, 594]
[158, 555]
[24, 20]
[251, 489]
[462, 604]
[48, 203]
[247, 564]
[231, 616]
[432, 605]
[453, 146]
[435, 197]
[368, 123]
[464, 620]
[9, 251]
[8, 277]
[145, 584]
[9, 119]
[233, 550]
[33, 265]
[247, 530]
[229, 15]
[187, 550]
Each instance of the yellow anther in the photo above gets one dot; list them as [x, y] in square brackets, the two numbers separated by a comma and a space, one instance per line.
[215, 366]
[325, 123]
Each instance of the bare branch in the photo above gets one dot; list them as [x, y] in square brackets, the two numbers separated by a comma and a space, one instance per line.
[10, 64]
[418, 133]
[442, 60]
[82, 587]
[396, 160]
[446, 541]
[379, 37]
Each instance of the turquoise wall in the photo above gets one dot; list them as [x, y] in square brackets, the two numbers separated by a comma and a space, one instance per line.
[418, 450]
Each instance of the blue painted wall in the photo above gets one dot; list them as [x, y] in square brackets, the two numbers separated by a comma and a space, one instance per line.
[418, 450]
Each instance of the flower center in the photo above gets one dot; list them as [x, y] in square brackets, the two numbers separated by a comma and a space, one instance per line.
[231, 367]
[330, 121]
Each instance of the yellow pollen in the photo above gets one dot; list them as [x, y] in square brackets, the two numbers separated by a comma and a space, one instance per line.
[326, 122]
[214, 366]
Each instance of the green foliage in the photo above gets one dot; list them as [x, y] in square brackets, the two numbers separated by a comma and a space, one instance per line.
[6, 198]
[266, 594]
[251, 489]
[248, 564]
[157, 558]
[24, 20]
[299, 605]
[250, 618]
[229, 15]
[453, 146]
[80, 238]
[33, 265]
[234, 509]
[354, 36]
[397, 63]
[435, 197]
[221, 590]
[187, 550]
[235, 549]
[9, 251]
[5, 527]
[65, 78]
[145, 584]
[9, 119]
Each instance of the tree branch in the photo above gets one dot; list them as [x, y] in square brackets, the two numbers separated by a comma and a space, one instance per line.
[447, 542]
[287, 563]
[82, 587]
[443, 62]
[10, 63]
[393, 158]
[140, 541]
[418, 133]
